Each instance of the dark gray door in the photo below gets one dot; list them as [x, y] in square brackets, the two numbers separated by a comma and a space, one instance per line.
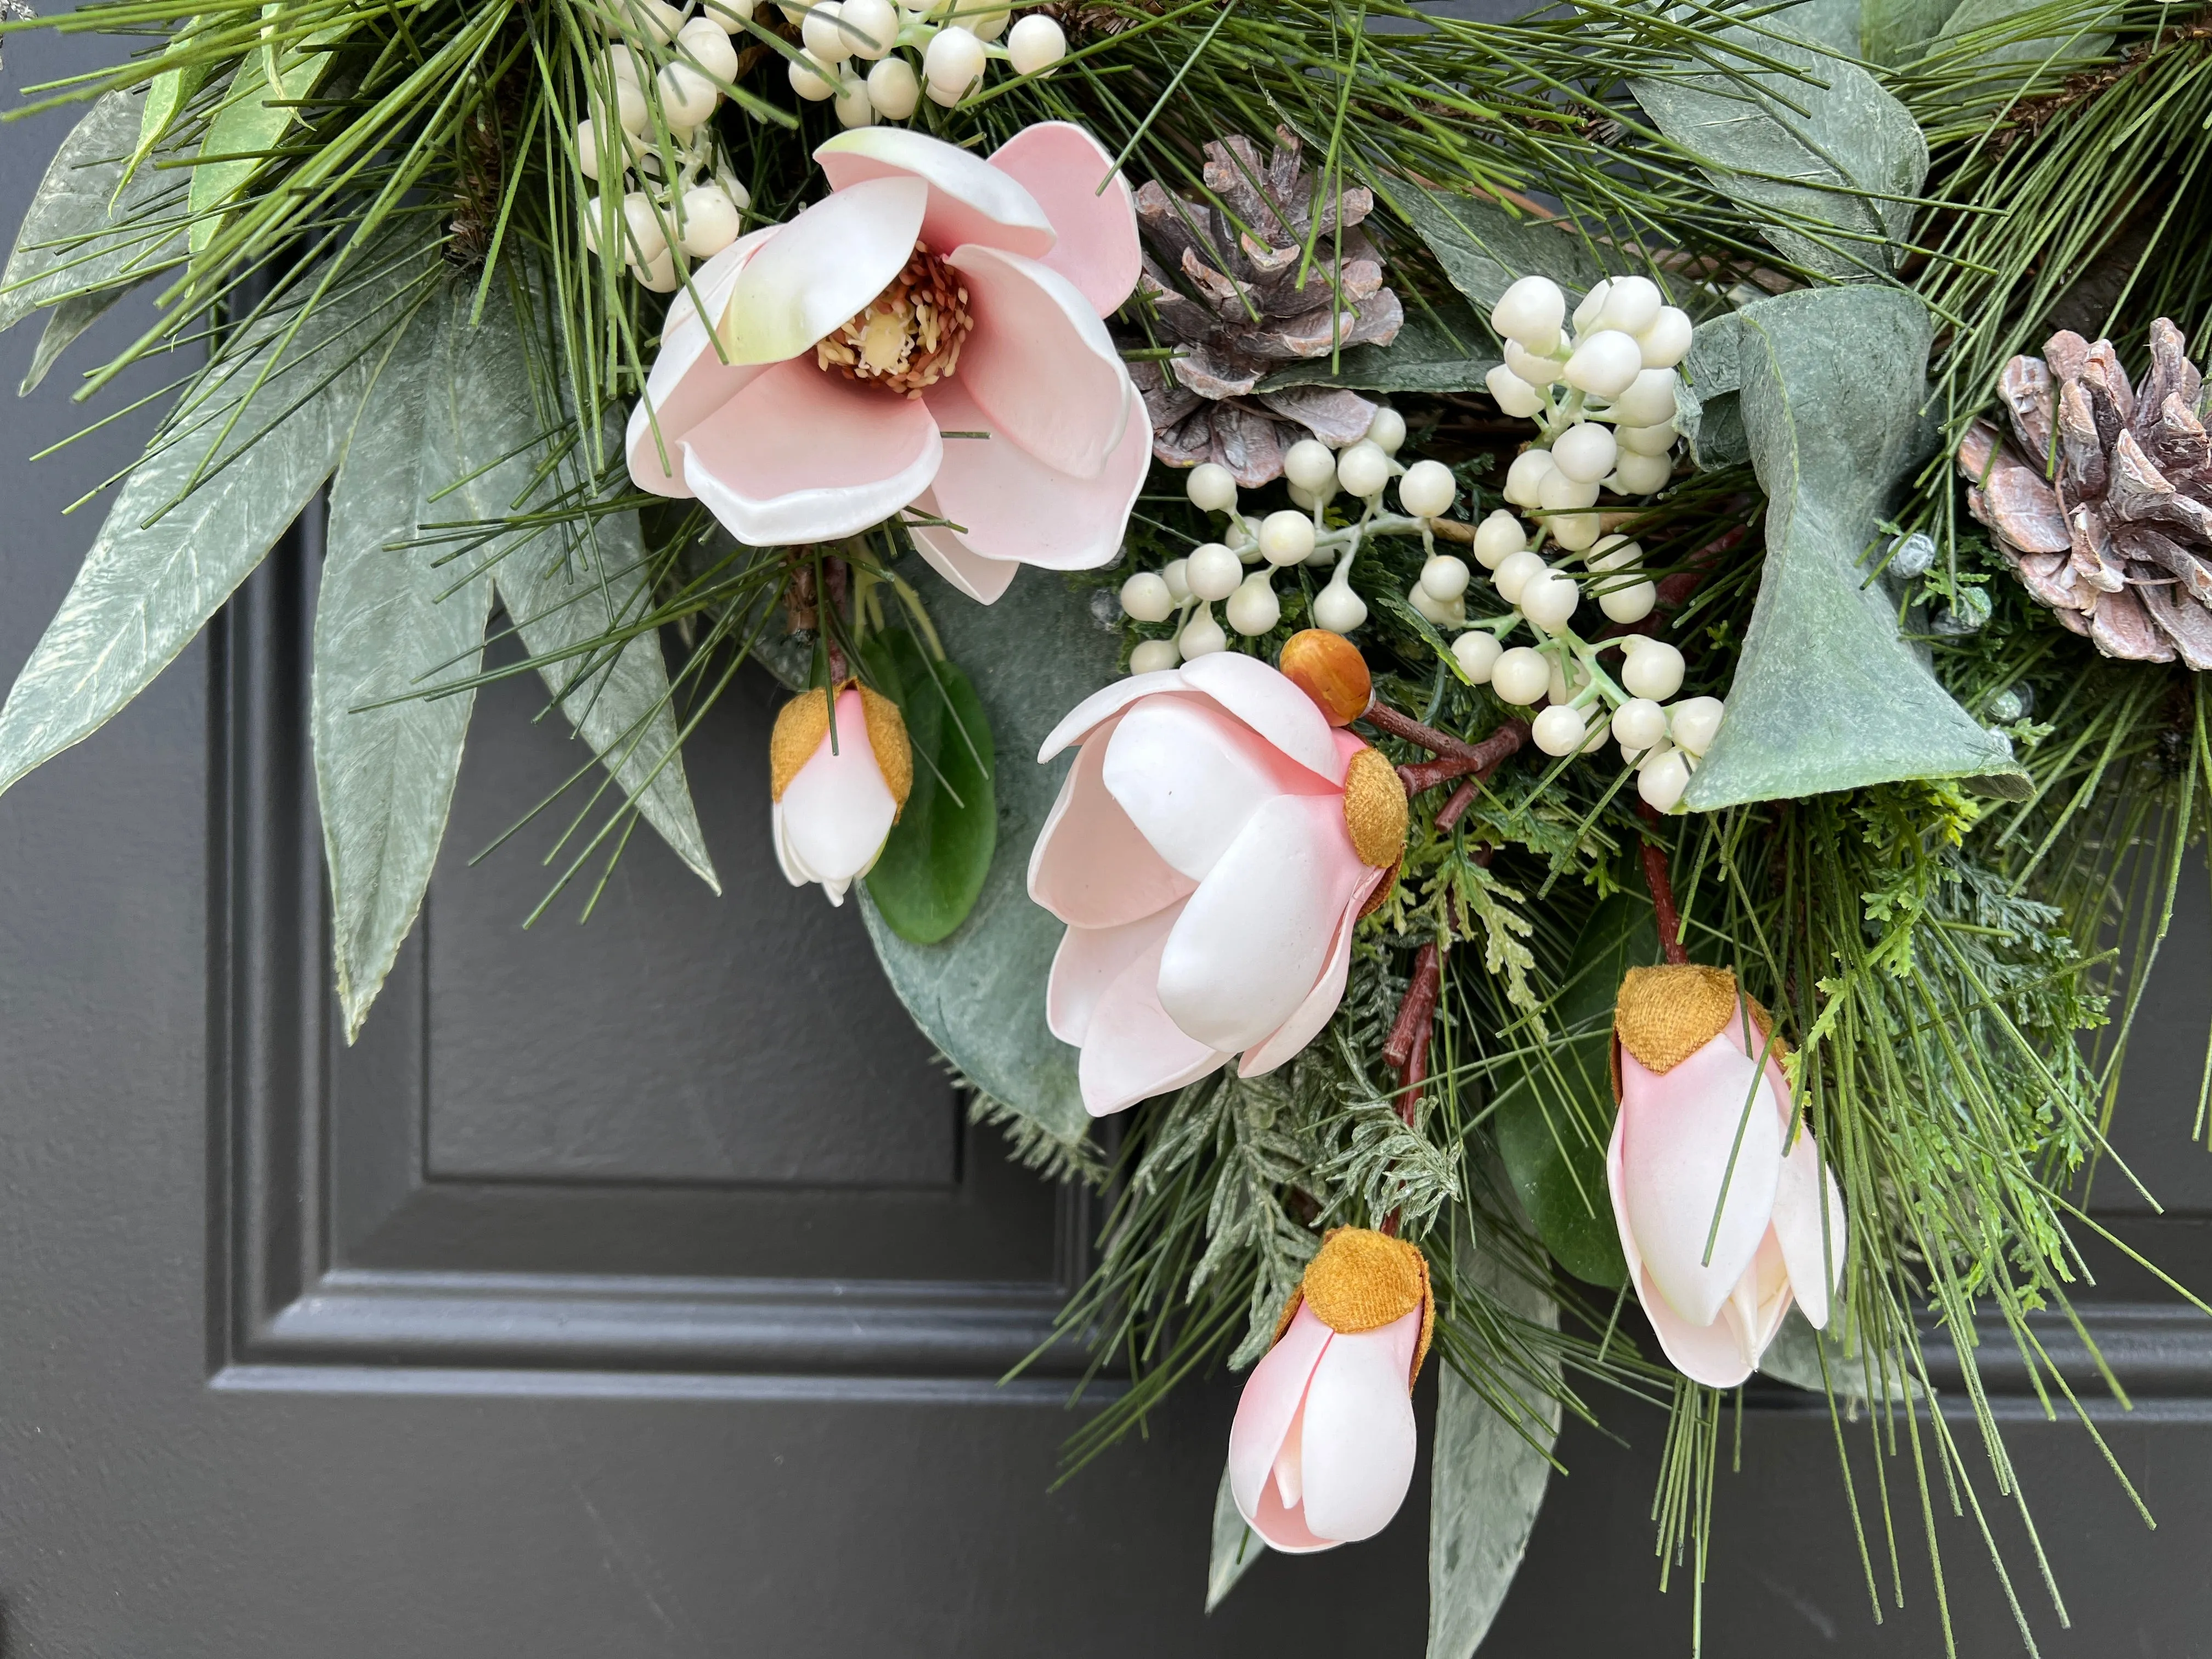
[637, 1289]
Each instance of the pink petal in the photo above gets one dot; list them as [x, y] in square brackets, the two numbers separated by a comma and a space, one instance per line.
[1010, 505]
[1090, 865]
[821, 268]
[1269, 1404]
[1359, 1438]
[1270, 704]
[1060, 165]
[1283, 1528]
[1761, 1297]
[1089, 961]
[1190, 778]
[1131, 1049]
[1102, 705]
[1815, 1264]
[689, 381]
[981, 578]
[802, 455]
[1303, 1026]
[1253, 942]
[1040, 363]
[836, 811]
[970, 200]
[1709, 1354]
[1677, 1130]
[1747, 1035]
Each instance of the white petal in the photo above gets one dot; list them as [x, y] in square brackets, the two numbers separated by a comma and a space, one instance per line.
[1040, 363]
[1090, 865]
[970, 200]
[1131, 1049]
[1359, 1434]
[1190, 778]
[1102, 705]
[1011, 506]
[821, 268]
[1089, 961]
[688, 380]
[981, 578]
[1815, 1264]
[837, 809]
[1677, 1132]
[1254, 939]
[1270, 704]
[1287, 1040]
[1269, 1405]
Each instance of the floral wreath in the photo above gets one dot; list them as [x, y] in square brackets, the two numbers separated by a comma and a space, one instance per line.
[1601, 637]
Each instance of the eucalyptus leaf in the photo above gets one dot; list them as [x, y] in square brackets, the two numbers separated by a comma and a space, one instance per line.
[1985, 28]
[1794, 1355]
[1554, 1116]
[1893, 31]
[1823, 157]
[1485, 250]
[255, 114]
[386, 757]
[68, 320]
[933, 864]
[1235, 1546]
[86, 229]
[1450, 353]
[979, 994]
[1486, 1482]
[250, 441]
[1828, 694]
[567, 584]
[1708, 409]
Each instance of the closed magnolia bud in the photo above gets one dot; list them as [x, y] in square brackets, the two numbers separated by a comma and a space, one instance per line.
[1329, 668]
[836, 793]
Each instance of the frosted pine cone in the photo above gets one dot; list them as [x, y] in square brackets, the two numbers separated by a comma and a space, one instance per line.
[2101, 499]
[1232, 300]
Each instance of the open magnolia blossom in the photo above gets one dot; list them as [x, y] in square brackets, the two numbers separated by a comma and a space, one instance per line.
[1321, 1450]
[929, 335]
[1211, 852]
[1700, 1086]
[838, 784]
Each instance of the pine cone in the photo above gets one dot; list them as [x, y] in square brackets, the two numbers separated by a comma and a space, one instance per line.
[1235, 301]
[2101, 500]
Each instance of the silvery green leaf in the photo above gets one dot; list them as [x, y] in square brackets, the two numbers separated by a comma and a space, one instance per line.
[1828, 694]
[1235, 1547]
[166, 95]
[70, 241]
[252, 441]
[979, 995]
[2060, 37]
[569, 583]
[389, 623]
[1487, 1478]
[1898, 30]
[68, 320]
[1450, 354]
[1485, 250]
[1832, 25]
[256, 112]
[1707, 409]
[1794, 1355]
[1823, 157]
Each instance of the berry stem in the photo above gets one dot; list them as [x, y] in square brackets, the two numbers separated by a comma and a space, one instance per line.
[1662, 892]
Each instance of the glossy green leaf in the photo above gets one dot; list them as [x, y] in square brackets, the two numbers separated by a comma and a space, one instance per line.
[1824, 159]
[1234, 1546]
[1450, 353]
[160, 565]
[1486, 1483]
[85, 229]
[256, 113]
[1485, 250]
[932, 867]
[979, 994]
[166, 95]
[569, 583]
[390, 622]
[1827, 693]
[1554, 1117]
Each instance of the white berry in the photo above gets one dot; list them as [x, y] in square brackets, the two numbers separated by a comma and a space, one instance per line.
[1499, 534]
[1548, 599]
[1211, 486]
[1145, 598]
[1656, 439]
[1444, 577]
[1309, 464]
[1477, 655]
[1560, 492]
[1694, 722]
[1177, 574]
[1642, 475]
[1653, 670]
[1338, 609]
[1604, 364]
[710, 220]
[1252, 608]
[1532, 366]
[1615, 553]
[1363, 469]
[1632, 304]
[728, 16]
[1574, 530]
[812, 79]
[1650, 399]
[894, 89]
[870, 27]
[1285, 538]
[643, 237]
[1525, 477]
[1445, 613]
[1512, 394]
[1153, 655]
[1514, 571]
[1662, 782]
[658, 273]
[703, 41]
[1666, 342]
[1531, 309]
[1428, 490]
[1592, 302]
[854, 107]
[1037, 44]
[1558, 730]
[1386, 431]
[1638, 724]
[1520, 676]
[1212, 572]
[1201, 635]
[1584, 452]
[951, 64]
[821, 35]
[1630, 604]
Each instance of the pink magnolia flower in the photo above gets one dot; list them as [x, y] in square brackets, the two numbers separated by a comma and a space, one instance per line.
[1689, 1047]
[1211, 852]
[836, 795]
[1321, 1450]
[931, 292]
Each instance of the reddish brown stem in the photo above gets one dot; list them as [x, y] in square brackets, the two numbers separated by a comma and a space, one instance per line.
[1383, 717]
[1662, 892]
[1407, 1047]
[834, 573]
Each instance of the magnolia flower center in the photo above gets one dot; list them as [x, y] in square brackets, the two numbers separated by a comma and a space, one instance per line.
[908, 337]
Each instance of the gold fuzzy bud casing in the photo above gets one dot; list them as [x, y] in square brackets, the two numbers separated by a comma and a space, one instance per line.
[1375, 811]
[1666, 1014]
[1361, 1280]
[802, 723]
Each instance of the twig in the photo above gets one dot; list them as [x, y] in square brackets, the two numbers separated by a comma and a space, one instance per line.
[1662, 892]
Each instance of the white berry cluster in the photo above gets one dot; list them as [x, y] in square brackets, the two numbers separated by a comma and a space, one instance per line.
[1601, 394]
[651, 146]
[1188, 589]
[853, 52]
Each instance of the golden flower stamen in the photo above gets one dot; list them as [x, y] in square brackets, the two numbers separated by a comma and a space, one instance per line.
[908, 337]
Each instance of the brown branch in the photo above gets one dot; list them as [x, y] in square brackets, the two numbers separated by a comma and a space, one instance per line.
[1662, 892]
